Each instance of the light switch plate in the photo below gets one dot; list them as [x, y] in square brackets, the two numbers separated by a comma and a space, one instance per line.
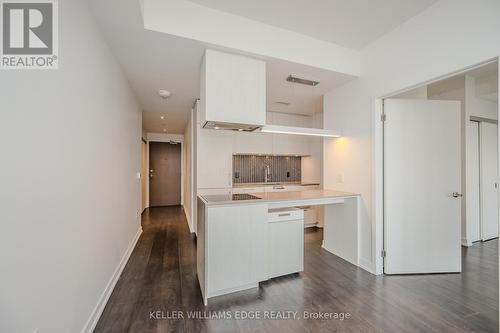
[340, 178]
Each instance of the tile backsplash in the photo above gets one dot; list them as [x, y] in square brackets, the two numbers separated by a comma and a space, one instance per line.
[252, 168]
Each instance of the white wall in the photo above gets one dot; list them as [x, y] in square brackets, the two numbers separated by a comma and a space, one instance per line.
[448, 36]
[312, 165]
[70, 198]
[476, 106]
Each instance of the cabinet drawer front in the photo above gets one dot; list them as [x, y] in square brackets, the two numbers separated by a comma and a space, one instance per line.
[297, 214]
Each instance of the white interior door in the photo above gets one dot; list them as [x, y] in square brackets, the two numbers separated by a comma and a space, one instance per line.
[488, 134]
[422, 166]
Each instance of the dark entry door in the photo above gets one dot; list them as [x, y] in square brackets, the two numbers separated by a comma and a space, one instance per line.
[164, 174]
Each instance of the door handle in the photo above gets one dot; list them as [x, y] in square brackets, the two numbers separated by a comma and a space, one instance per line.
[457, 195]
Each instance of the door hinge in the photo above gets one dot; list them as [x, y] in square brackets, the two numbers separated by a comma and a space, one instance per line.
[383, 117]
[383, 254]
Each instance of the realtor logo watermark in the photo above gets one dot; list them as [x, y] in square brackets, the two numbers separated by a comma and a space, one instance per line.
[29, 35]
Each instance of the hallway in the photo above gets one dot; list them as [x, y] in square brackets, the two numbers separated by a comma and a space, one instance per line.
[161, 276]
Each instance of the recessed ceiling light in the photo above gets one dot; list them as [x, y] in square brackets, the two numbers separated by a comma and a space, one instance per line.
[216, 127]
[164, 130]
[164, 93]
[162, 117]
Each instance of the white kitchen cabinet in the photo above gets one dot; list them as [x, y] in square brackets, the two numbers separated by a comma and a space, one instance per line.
[285, 242]
[253, 143]
[214, 158]
[232, 89]
[237, 248]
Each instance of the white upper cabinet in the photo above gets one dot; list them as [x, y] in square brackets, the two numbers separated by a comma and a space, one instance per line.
[215, 159]
[232, 89]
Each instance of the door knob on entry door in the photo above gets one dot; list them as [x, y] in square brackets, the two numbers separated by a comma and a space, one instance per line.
[457, 195]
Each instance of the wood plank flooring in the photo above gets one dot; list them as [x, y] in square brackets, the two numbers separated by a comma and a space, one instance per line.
[161, 276]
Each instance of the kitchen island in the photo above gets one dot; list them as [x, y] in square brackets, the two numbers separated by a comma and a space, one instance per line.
[237, 243]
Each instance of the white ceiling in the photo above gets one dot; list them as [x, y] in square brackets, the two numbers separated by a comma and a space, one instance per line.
[303, 99]
[350, 23]
[153, 61]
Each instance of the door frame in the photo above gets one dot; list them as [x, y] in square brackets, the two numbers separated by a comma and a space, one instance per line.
[166, 138]
[481, 122]
[144, 175]
[378, 158]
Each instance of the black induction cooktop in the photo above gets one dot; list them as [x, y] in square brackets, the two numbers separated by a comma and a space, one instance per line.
[244, 196]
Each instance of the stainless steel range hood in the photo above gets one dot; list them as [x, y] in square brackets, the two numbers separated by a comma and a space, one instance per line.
[231, 126]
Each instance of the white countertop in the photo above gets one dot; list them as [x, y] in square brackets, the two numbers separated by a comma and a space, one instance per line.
[273, 197]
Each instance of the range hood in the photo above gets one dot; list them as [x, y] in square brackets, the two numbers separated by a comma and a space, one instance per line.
[300, 131]
[231, 126]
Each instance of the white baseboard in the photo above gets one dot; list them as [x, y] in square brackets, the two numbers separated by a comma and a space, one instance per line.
[363, 263]
[366, 265]
[188, 219]
[99, 308]
[466, 243]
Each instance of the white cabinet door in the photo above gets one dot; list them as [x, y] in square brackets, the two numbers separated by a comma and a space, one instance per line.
[233, 88]
[214, 159]
[252, 143]
[286, 247]
[236, 247]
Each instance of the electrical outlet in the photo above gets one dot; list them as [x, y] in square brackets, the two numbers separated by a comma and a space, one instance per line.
[340, 178]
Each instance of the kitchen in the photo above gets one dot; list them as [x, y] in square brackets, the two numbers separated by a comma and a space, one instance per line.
[259, 178]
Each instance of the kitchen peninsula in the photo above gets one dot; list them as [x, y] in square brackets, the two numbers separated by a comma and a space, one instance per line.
[243, 239]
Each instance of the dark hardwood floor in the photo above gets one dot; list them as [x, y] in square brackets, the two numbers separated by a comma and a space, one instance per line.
[161, 276]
